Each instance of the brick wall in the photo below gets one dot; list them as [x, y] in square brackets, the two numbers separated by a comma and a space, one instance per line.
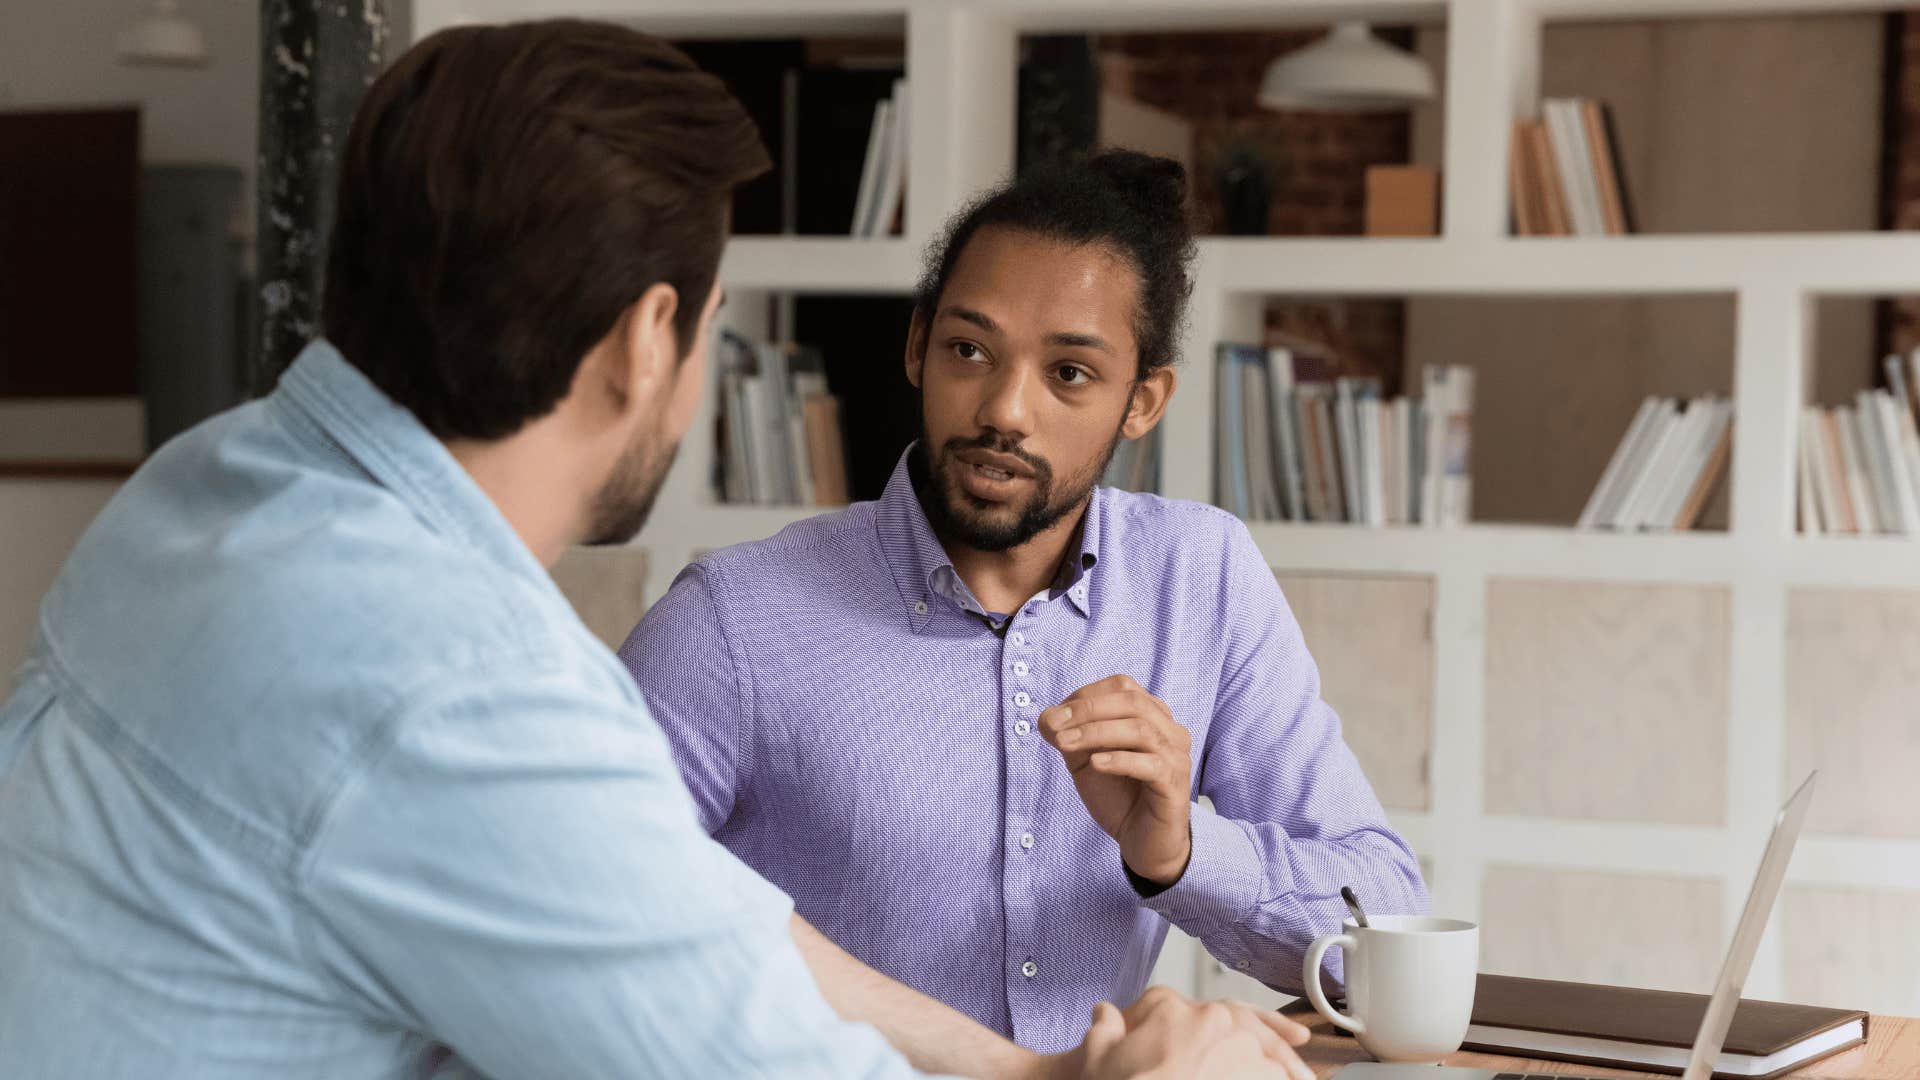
[1212, 80]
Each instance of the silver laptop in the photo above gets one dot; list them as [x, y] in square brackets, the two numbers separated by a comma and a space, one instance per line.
[1726, 991]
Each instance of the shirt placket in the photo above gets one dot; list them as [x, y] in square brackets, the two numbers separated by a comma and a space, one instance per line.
[1020, 679]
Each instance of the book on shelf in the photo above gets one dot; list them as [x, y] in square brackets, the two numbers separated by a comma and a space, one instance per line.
[1564, 170]
[1859, 465]
[1447, 493]
[1665, 468]
[1295, 443]
[780, 441]
[844, 131]
[817, 113]
[876, 206]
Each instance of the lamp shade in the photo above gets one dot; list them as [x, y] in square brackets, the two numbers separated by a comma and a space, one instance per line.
[1349, 70]
[162, 36]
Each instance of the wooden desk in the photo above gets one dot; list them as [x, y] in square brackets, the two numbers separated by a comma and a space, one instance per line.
[1892, 1052]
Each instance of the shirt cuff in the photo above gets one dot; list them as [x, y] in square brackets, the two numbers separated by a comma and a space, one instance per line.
[1223, 879]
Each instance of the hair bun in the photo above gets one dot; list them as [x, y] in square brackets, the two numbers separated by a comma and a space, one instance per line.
[1155, 185]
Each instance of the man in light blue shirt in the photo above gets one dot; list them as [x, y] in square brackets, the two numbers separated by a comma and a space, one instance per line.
[312, 772]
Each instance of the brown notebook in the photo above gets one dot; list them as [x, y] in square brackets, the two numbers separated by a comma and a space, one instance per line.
[1620, 1027]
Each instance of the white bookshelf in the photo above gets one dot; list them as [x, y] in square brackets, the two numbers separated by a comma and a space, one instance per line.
[961, 57]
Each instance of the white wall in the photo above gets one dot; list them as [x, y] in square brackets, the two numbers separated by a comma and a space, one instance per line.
[39, 522]
[58, 53]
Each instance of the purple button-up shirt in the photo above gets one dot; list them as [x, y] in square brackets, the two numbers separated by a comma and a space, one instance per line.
[869, 745]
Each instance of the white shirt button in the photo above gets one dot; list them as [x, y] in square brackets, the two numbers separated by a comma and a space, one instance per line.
[1019, 638]
[1022, 700]
[1022, 728]
[919, 607]
[1020, 668]
[1026, 840]
[1029, 969]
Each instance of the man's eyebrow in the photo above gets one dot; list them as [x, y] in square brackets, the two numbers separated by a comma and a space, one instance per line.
[977, 318]
[1082, 341]
[1065, 338]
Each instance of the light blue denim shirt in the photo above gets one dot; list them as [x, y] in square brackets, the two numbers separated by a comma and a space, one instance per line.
[312, 772]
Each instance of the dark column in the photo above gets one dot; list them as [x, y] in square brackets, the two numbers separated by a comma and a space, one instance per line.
[316, 58]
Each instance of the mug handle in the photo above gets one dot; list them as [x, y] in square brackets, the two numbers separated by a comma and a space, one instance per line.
[1310, 976]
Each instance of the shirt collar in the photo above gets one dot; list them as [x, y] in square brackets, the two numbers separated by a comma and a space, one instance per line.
[917, 560]
[394, 448]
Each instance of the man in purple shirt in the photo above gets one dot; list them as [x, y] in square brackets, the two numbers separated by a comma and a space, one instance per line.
[965, 726]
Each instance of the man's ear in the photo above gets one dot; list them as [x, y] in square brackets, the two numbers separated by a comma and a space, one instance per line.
[649, 356]
[916, 349]
[1149, 404]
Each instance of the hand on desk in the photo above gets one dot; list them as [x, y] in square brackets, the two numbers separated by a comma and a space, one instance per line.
[1132, 764]
[1165, 1036]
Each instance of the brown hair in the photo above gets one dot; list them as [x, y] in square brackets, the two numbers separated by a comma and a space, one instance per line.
[506, 192]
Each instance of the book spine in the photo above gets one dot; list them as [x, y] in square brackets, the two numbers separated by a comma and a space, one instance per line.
[1569, 157]
[1840, 476]
[1719, 445]
[1900, 452]
[1325, 407]
[1866, 512]
[1433, 403]
[1286, 433]
[1876, 455]
[893, 166]
[1606, 171]
[1456, 491]
[1345, 421]
[863, 202]
[1553, 190]
[1647, 471]
[1520, 195]
[1258, 449]
[1610, 477]
[1689, 461]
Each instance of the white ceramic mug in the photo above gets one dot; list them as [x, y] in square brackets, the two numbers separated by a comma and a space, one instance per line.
[1410, 983]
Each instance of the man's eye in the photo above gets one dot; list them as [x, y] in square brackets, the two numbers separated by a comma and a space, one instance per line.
[966, 350]
[1073, 375]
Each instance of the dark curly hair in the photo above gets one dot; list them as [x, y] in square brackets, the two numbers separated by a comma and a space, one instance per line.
[1134, 203]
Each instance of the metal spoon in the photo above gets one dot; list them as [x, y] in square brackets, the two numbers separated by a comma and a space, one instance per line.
[1353, 905]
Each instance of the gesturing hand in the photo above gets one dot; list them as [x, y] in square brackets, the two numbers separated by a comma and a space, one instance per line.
[1132, 764]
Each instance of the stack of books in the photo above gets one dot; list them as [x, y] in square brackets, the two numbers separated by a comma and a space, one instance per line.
[1665, 468]
[883, 179]
[1564, 171]
[1294, 443]
[780, 440]
[1860, 463]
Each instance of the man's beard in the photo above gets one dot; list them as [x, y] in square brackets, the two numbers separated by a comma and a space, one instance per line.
[958, 516]
[622, 504]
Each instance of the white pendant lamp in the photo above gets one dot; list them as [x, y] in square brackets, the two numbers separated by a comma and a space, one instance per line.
[1349, 70]
[162, 36]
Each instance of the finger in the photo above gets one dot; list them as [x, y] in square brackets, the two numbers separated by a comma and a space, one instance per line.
[1274, 1038]
[1291, 1031]
[1130, 733]
[1271, 1044]
[1106, 685]
[1107, 1029]
[1115, 705]
[1150, 769]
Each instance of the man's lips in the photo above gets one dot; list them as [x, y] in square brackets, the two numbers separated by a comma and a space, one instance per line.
[996, 466]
